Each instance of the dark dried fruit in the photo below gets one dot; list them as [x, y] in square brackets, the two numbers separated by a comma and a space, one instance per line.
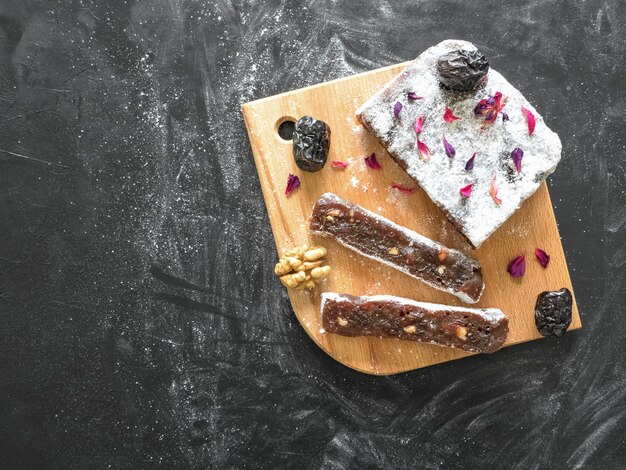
[311, 141]
[553, 312]
[462, 70]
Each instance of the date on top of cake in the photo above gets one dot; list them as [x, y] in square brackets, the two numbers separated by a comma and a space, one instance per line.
[465, 135]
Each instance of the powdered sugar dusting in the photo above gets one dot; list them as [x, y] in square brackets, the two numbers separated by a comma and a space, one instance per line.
[442, 177]
[490, 314]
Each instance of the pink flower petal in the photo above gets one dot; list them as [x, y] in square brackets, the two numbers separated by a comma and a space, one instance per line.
[493, 191]
[402, 188]
[396, 109]
[372, 162]
[516, 156]
[412, 96]
[423, 149]
[488, 108]
[470, 163]
[542, 257]
[466, 191]
[293, 183]
[339, 165]
[419, 124]
[517, 266]
[450, 152]
[449, 116]
[530, 117]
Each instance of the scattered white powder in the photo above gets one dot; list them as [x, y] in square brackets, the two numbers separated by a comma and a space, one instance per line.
[357, 129]
[442, 177]
[491, 314]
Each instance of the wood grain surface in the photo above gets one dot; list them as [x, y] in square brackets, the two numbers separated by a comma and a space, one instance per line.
[533, 225]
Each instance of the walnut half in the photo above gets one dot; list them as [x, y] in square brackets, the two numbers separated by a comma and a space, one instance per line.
[302, 267]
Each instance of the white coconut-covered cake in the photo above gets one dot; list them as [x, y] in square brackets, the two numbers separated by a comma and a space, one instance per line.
[514, 149]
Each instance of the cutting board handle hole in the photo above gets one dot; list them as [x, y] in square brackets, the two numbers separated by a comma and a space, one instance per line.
[285, 126]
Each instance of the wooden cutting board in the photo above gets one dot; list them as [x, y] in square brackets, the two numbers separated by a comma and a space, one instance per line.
[335, 103]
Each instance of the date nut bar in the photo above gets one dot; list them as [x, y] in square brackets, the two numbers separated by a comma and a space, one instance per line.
[378, 238]
[475, 330]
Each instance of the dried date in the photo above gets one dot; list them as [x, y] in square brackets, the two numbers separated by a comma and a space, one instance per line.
[462, 70]
[311, 141]
[553, 312]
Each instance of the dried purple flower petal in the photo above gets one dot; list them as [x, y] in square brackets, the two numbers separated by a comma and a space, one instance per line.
[293, 183]
[493, 191]
[450, 152]
[488, 108]
[466, 191]
[449, 116]
[505, 116]
[396, 109]
[530, 117]
[419, 124]
[402, 188]
[423, 150]
[517, 155]
[338, 164]
[470, 163]
[412, 96]
[542, 257]
[372, 162]
[517, 266]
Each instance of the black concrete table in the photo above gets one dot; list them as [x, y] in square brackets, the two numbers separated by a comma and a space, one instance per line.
[141, 325]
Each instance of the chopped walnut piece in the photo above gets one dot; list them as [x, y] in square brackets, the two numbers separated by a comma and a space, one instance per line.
[302, 267]
[456, 329]
[461, 333]
[294, 262]
[297, 252]
[320, 273]
[282, 267]
[441, 269]
[342, 321]
[409, 329]
[308, 265]
[393, 251]
[293, 279]
[315, 253]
